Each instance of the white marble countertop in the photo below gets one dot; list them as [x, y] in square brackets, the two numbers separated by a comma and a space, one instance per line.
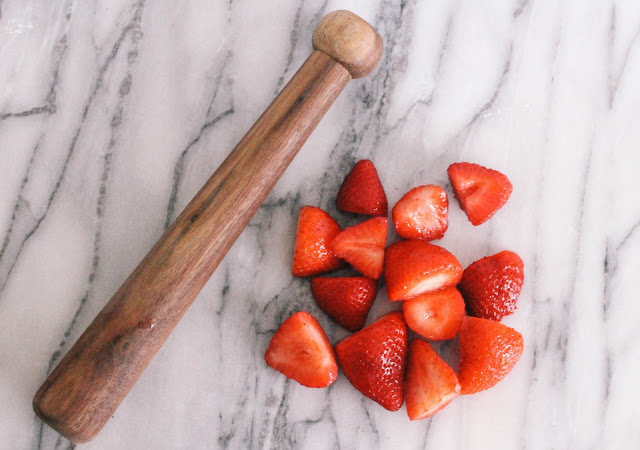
[113, 114]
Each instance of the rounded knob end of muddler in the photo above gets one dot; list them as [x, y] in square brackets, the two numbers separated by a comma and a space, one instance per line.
[350, 40]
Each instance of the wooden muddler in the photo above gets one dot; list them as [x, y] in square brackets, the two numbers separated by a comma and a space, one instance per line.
[85, 389]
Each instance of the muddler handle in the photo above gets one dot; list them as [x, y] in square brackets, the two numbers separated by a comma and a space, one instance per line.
[85, 389]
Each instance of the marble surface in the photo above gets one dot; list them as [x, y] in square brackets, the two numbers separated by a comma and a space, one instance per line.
[113, 114]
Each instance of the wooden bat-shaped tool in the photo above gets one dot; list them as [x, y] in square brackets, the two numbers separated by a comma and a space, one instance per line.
[85, 389]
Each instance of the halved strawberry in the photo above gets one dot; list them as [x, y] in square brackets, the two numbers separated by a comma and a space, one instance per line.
[373, 360]
[430, 383]
[435, 315]
[422, 213]
[491, 285]
[362, 246]
[301, 351]
[414, 267]
[347, 300]
[488, 352]
[480, 191]
[361, 191]
[311, 254]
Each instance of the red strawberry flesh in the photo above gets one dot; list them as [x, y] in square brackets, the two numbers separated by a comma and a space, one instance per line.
[415, 267]
[311, 254]
[488, 352]
[301, 351]
[480, 191]
[435, 315]
[361, 191]
[491, 286]
[347, 300]
[362, 246]
[422, 213]
[373, 360]
[430, 383]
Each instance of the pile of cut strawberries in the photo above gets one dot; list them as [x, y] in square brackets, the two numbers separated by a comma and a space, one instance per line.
[441, 301]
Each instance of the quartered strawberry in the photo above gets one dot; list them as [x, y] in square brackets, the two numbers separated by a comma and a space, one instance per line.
[301, 351]
[414, 267]
[430, 384]
[311, 255]
[488, 352]
[347, 300]
[435, 315]
[480, 191]
[361, 191]
[373, 360]
[422, 213]
[362, 246]
[491, 285]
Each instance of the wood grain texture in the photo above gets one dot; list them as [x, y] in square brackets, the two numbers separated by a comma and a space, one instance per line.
[85, 389]
[349, 40]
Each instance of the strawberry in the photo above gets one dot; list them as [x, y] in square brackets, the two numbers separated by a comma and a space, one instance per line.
[422, 213]
[480, 191]
[373, 360]
[488, 352]
[311, 254]
[435, 315]
[347, 300]
[362, 246]
[361, 191]
[302, 352]
[414, 267]
[491, 285]
[430, 384]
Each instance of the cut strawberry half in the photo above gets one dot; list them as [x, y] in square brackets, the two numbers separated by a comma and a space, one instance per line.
[488, 352]
[347, 300]
[422, 213]
[430, 383]
[361, 191]
[362, 246]
[415, 267]
[491, 285]
[373, 360]
[480, 191]
[301, 351]
[435, 315]
[311, 255]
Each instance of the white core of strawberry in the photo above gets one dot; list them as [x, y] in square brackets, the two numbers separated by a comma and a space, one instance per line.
[431, 283]
[315, 342]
